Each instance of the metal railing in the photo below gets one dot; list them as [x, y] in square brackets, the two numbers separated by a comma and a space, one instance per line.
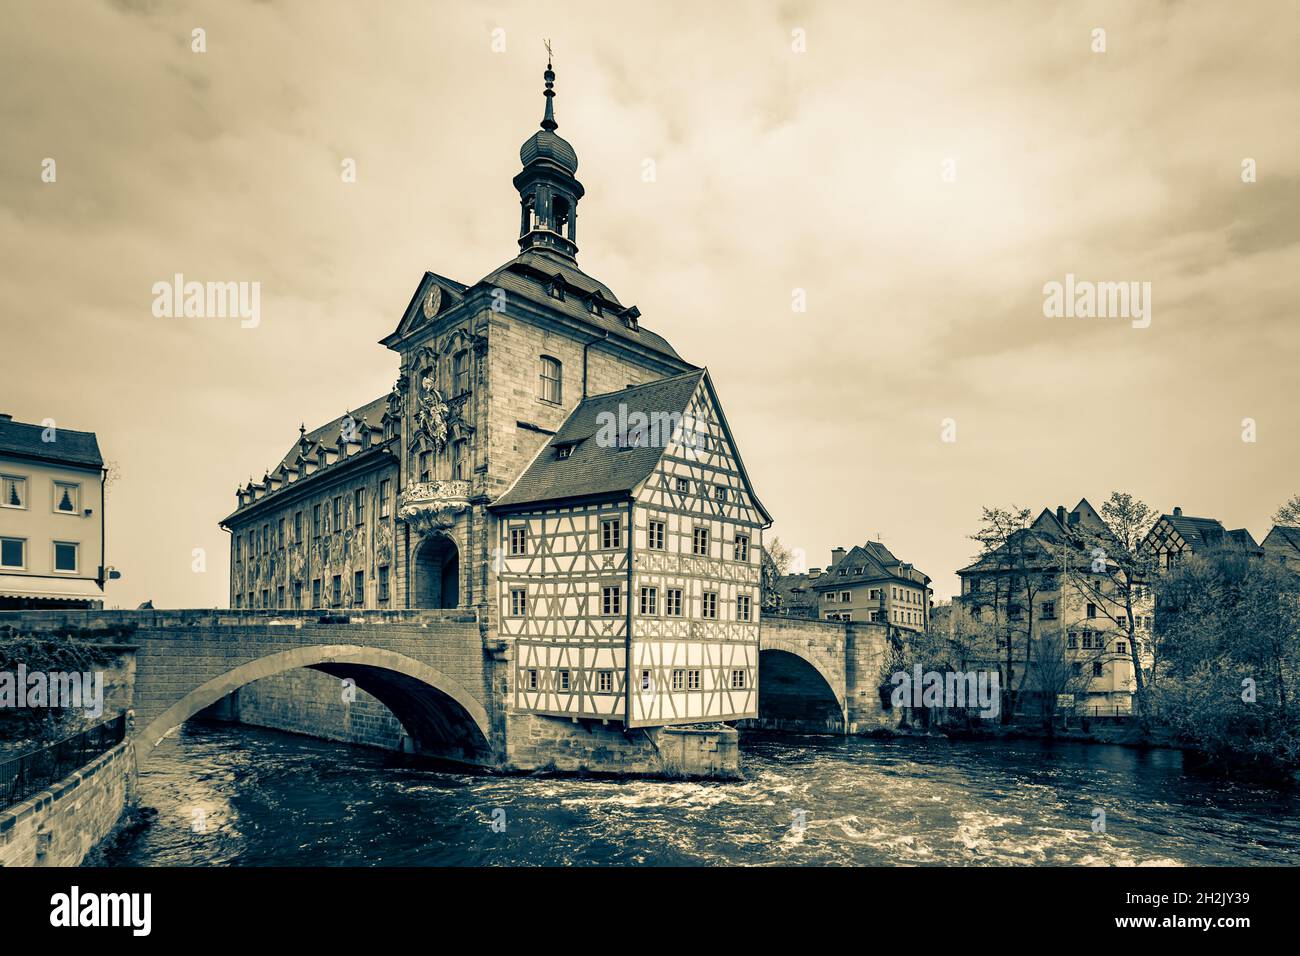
[32, 772]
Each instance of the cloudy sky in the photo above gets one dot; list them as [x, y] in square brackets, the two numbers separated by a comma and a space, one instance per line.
[919, 170]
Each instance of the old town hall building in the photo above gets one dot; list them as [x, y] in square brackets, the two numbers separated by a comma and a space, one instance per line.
[545, 460]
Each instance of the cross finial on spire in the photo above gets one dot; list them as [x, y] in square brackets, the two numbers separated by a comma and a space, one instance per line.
[548, 118]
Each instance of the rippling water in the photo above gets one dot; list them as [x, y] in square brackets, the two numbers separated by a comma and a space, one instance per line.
[248, 797]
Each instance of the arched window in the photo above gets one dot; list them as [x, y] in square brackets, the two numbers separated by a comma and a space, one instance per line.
[551, 383]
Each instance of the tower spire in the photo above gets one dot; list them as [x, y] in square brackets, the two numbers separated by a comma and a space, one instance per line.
[548, 119]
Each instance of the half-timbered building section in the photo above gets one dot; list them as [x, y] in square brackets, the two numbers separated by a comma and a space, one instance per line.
[631, 551]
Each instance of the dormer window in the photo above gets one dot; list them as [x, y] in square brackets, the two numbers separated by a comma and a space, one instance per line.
[595, 305]
[631, 317]
[556, 289]
[563, 451]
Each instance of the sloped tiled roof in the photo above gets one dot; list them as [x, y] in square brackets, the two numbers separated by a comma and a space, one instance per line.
[372, 413]
[867, 563]
[1203, 533]
[1287, 535]
[797, 597]
[528, 273]
[592, 470]
[69, 446]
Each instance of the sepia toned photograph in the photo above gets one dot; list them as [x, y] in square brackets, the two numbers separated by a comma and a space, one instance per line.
[895, 468]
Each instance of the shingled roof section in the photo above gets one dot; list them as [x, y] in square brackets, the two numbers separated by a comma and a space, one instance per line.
[866, 564]
[593, 470]
[69, 447]
[528, 275]
[1203, 533]
[372, 413]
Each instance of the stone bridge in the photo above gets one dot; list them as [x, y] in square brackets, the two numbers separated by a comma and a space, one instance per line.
[820, 676]
[430, 668]
[443, 677]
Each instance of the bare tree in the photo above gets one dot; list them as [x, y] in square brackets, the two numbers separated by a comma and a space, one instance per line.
[1289, 513]
[1114, 573]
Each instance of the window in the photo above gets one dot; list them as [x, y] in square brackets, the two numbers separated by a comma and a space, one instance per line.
[425, 473]
[742, 607]
[279, 597]
[297, 596]
[65, 556]
[279, 533]
[532, 679]
[1073, 641]
[358, 588]
[709, 604]
[846, 597]
[385, 498]
[359, 506]
[297, 526]
[1087, 639]
[700, 542]
[679, 679]
[266, 538]
[336, 590]
[239, 600]
[740, 551]
[673, 602]
[1121, 647]
[719, 493]
[692, 680]
[611, 533]
[831, 596]
[683, 485]
[251, 601]
[338, 513]
[646, 682]
[1049, 610]
[315, 521]
[383, 582]
[13, 552]
[1092, 610]
[13, 491]
[649, 601]
[1098, 669]
[238, 546]
[563, 451]
[737, 679]
[1014, 612]
[518, 601]
[605, 682]
[655, 535]
[67, 497]
[460, 373]
[458, 459]
[564, 679]
[518, 541]
[611, 599]
[551, 384]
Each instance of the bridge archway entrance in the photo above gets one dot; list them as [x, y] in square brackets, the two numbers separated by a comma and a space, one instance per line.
[437, 573]
[442, 717]
[795, 695]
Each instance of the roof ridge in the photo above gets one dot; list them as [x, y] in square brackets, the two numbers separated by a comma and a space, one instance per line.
[632, 388]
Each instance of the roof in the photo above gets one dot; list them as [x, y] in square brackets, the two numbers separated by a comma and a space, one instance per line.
[797, 598]
[546, 144]
[372, 413]
[68, 446]
[592, 469]
[1201, 533]
[867, 563]
[1284, 535]
[530, 273]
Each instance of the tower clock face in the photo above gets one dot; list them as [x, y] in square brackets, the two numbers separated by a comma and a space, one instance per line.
[432, 301]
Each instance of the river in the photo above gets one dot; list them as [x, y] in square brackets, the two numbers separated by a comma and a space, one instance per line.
[243, 796]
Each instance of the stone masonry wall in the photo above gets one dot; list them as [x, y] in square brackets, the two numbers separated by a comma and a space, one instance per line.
[310, 702]
[59, 826]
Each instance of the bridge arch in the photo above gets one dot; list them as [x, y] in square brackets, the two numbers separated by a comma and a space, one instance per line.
[802, 682]
[441, 715]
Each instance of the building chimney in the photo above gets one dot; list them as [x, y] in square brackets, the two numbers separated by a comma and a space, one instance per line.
[1060, 513]
[814, 573]
[6, 417]
[836, 555]
[1178, 512]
